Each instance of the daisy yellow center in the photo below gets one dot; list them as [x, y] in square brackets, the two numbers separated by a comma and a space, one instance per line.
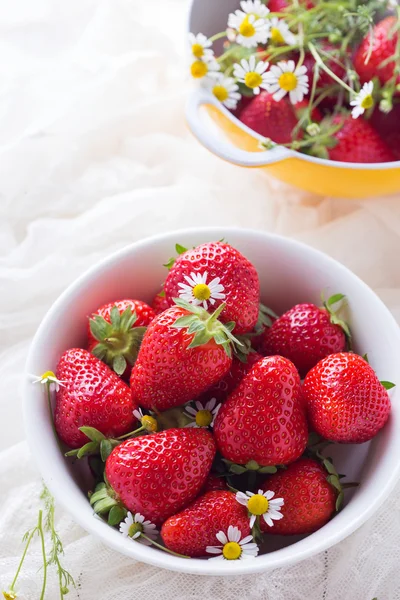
[288, 82]
[247, 29]
[9, 595]
[197, 50]
[134, 528]
[198, 69]
[367, 102]
[257, 504]
[231, 551]
[149, 423]
[220, 92]
[203, 418]
[252, 79]
[276, 36]
[48, 374]
[201, 291]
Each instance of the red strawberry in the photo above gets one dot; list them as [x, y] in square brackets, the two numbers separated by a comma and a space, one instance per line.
[115, 331]
[159, 304]
[282, 5]
[192, 530]
[225, 386]
[302, 106]
[304, 335]
[175, 366]
[345, 400]
[214, 273]
[213, 483]
[269, 118]
[387, 126]
[358, 142]
[91, 395]
[263, 420]
[158, 474]
[384, 39]
[310, 501]
[325, 80]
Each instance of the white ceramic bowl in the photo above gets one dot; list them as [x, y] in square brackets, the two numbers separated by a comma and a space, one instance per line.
[289, 273]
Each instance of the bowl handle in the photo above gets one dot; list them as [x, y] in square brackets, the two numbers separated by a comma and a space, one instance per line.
[221, 148]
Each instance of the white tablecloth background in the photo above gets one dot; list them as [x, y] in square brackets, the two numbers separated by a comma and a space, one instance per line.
[94, 154]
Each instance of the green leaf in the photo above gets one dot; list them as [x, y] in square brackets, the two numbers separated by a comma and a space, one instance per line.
[119, 364]
[200, 338]
[252, 465]
[268, 311]
[93, 434]
[267, 470]
[195, 326]
[88, 448]
[100, 351]
[180, 249]
[335, 298]
[116, 515]
[106, 448]
[161, 294]
[329, 467]
[334, 481]
[104, 506]
[170, 263]
[339, 501]
[365, 357]
[185, 321]
[237, 469]
[99, 328]
[388, 385]
[115, 317]
[196, 310]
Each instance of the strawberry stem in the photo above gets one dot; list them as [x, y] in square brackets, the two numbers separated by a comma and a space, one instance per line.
[162, 547]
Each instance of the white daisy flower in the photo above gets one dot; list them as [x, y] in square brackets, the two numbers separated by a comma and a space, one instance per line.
[147, 421]
[233, 547]
[49, 377]
[198, 292]
[252, 73]
[251, 31]
[200, 68]
[284, 78]
[204, 416]
[134, 526]
[280, 33]
[363, 100]
[254, 7]
[262, 503]
[200, 47]
[226, 91]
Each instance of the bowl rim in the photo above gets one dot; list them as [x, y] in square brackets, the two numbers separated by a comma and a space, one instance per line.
[42, 453]
[395, 164]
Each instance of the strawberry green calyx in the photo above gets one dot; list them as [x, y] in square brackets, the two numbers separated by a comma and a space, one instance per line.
[266, 316]
[105, 502]
[206, 327]
[179, 250]
[252, 465]
[118, 341]
[335, 320]
[100, 444]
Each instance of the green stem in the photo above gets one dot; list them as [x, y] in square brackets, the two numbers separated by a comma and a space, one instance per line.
[217, 36]
[163, 547]
[323, 66]
[21, 562]
[227, 53]
[41, 534]
[123, 437]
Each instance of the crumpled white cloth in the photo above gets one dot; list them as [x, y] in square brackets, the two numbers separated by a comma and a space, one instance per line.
[95, 154]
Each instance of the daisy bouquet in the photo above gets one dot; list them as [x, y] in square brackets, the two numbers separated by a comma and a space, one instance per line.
[320, 77]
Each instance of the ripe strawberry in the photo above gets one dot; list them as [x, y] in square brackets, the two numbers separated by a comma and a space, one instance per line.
[269, 118]
[263, 420]
[192, 530]
[282, 5]
[384, 42]
[301, 107]
[159, 304]
[175, 366]
[325, 80]
[213, 483]
[345, 400]
[115, 331]
[358, 142]
[305, 334]
[158, 474]
[387, 126]
[310, 501]
[91, 395]
[214, 273]
[225, 386]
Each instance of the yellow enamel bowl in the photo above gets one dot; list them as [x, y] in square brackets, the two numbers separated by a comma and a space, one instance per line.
[232, 141]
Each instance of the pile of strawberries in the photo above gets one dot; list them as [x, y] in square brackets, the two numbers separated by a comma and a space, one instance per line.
[194, 417]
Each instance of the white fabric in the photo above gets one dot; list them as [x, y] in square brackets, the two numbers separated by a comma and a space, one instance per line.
[94, 154]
